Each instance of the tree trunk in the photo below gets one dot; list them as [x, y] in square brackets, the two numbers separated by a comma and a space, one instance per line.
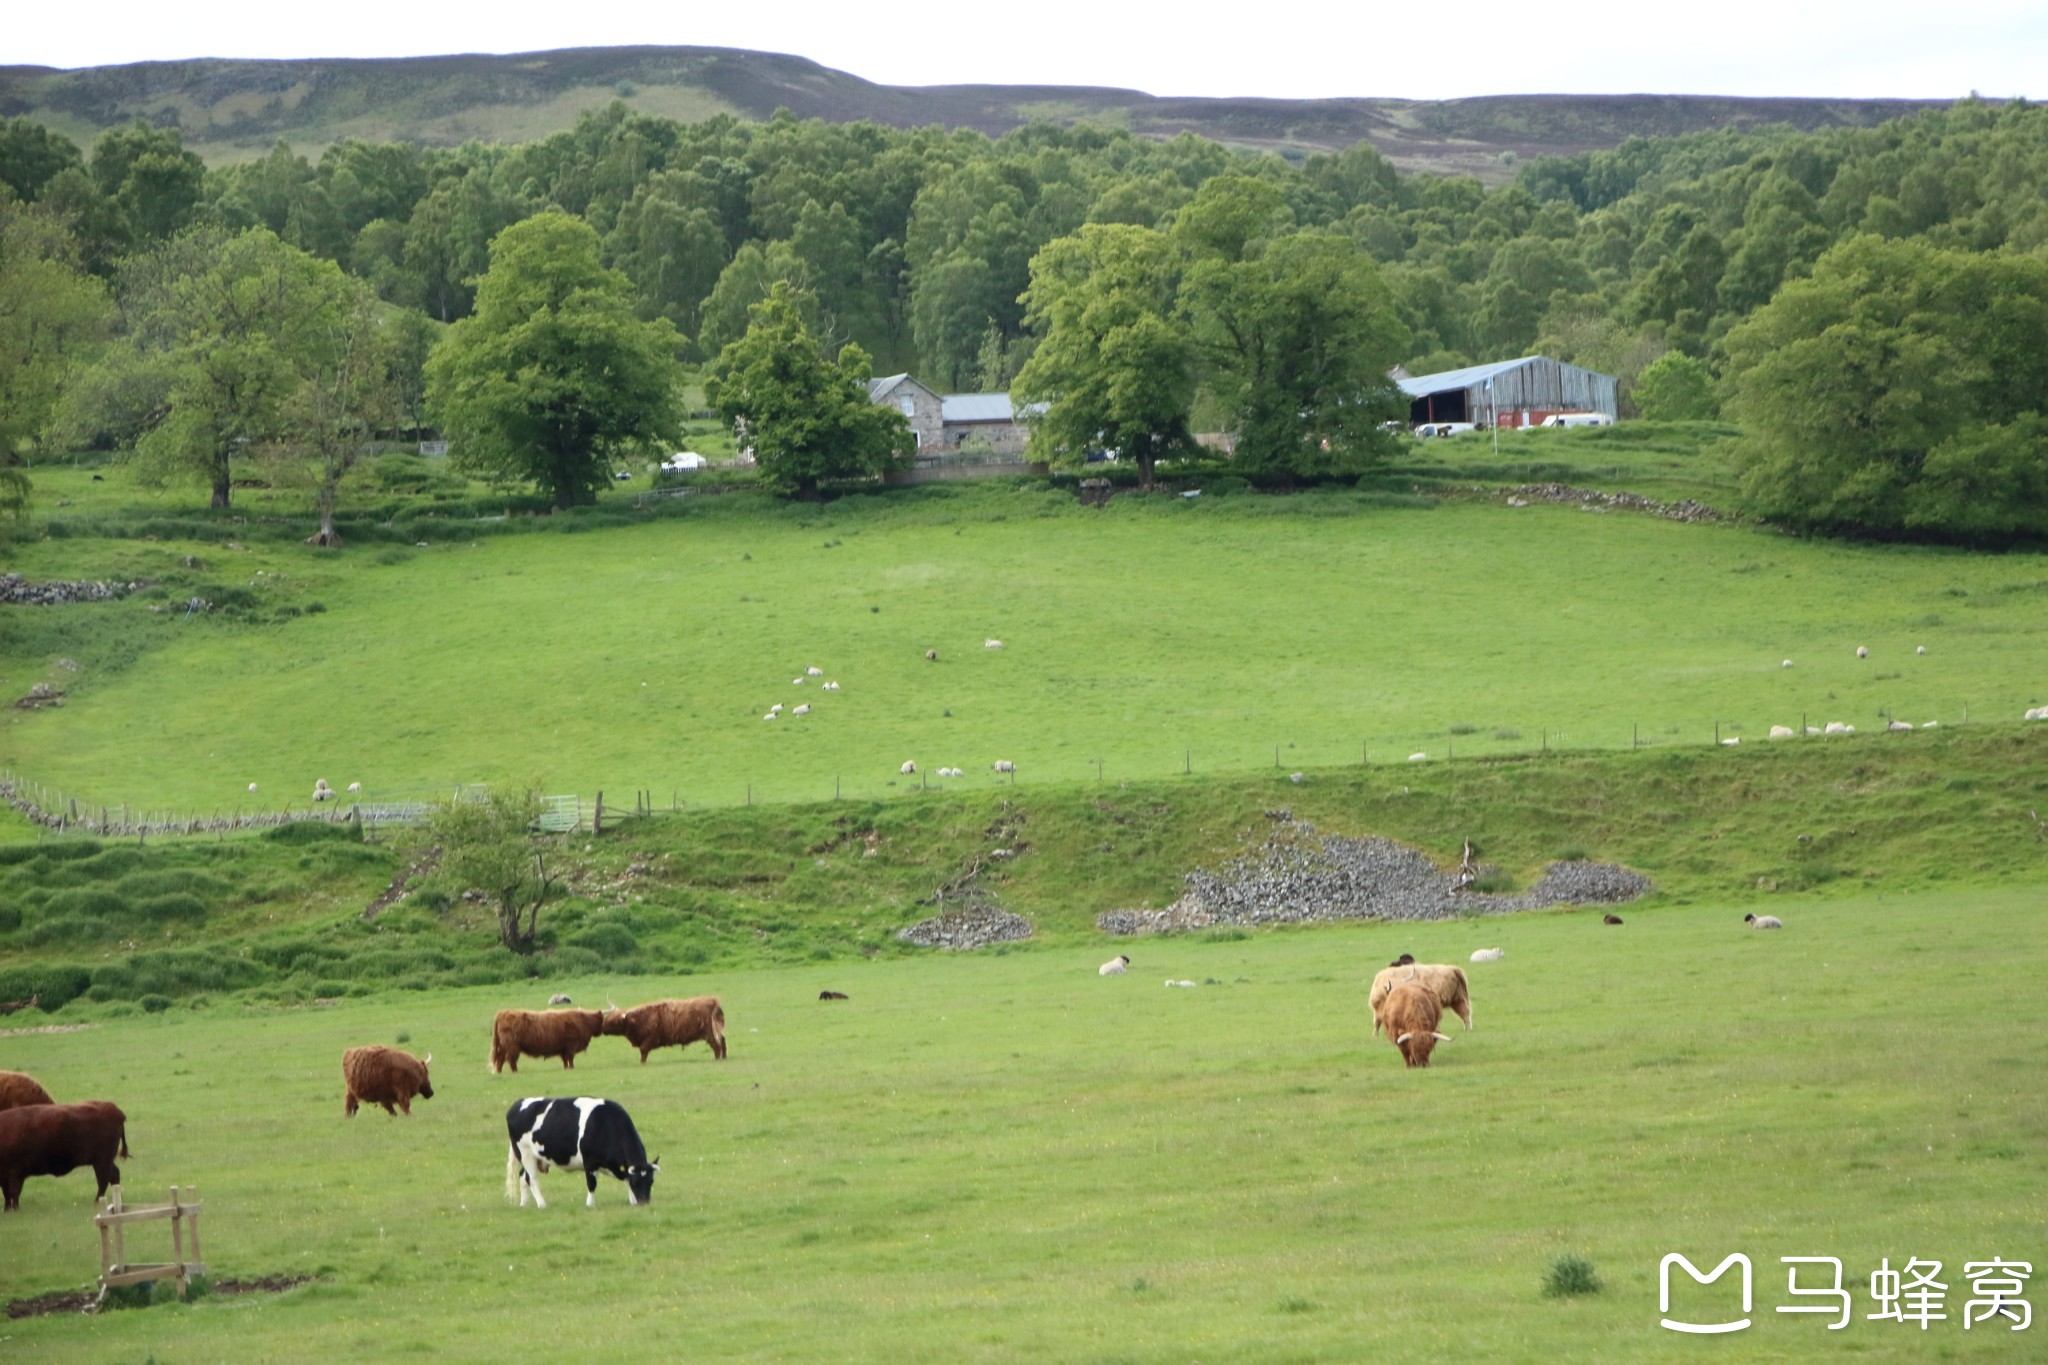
[223, 488]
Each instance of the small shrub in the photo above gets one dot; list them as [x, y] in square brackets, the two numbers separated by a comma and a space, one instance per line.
[1227, 933]
[1570, 1275]
[1464, 729]
[1571, 853]
[1493, 884]
[313, 832]
[404, 1036]
[10, 918]
[608, 941]
[1506, 733]
[154, 1004]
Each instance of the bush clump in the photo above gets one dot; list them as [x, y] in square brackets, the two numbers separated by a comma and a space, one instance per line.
[1570, 1275]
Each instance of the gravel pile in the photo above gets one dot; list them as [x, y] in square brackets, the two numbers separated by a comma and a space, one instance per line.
[15, 588]
[967, 926]
[1689, 509]
[1296, 877]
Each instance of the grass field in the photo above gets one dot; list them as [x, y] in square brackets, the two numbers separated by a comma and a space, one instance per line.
[1156, 635]
[1004, 1157]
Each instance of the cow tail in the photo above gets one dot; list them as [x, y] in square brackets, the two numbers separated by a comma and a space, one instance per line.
[124, 1142]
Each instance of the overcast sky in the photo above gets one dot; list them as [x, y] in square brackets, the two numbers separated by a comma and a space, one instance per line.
[1282, 48]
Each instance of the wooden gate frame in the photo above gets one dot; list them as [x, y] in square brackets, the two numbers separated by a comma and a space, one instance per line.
[114, 1267]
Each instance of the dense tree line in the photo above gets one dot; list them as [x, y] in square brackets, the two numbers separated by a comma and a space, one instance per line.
[1665, 259]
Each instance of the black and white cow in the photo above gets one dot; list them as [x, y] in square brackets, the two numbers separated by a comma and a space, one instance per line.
[580, 1134]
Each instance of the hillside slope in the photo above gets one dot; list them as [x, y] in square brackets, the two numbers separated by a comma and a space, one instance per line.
[233, 110]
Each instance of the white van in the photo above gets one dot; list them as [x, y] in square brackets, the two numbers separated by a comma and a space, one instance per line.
[1577, 419]
[683, 460]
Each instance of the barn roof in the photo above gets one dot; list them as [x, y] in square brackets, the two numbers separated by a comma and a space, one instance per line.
[878, 389]
[1417, 385]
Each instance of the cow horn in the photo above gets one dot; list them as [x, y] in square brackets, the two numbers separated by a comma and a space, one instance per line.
[655, 1164]
[1402, 1039]
[429, 1061]
[1441, 1037]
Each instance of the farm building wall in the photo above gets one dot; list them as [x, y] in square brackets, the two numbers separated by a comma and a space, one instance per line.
[1523, 393]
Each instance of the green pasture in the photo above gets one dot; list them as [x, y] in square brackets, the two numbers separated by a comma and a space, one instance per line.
[1155, 636]
[1006, 1157]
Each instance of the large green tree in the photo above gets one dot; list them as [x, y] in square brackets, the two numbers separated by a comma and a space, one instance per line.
[1897, 388]
[1114, 366]
[219, 333]
[553, 375]
[1298, 333]
[808, 419]
[51, 311]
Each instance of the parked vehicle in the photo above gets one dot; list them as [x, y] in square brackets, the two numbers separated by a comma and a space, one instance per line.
[1445, 428]
[1577, 419]
[682, 461]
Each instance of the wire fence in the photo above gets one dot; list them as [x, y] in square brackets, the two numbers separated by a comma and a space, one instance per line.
[386, 811]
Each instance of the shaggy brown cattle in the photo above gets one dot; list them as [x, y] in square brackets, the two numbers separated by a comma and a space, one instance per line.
[1610, 919]
[18, 1088]
[832, 995]
[1411, 1013]
[56, 1139]
[670, 1023]
[383, 1075]
[542, 1033]
[1452, 991]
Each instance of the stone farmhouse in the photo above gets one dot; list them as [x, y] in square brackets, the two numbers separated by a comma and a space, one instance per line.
[945, 423]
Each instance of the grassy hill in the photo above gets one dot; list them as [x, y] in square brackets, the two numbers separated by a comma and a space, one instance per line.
[637, 647]
[234, 110]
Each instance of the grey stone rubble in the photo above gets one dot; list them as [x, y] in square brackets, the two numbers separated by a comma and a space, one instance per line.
[1297, 876]
[967, 926]
[15, 588]
[1688, 509]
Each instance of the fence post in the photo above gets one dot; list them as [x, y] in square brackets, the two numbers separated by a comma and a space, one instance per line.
[1717, 732]
[597, 815]
[1634, 737]
[1187, 760]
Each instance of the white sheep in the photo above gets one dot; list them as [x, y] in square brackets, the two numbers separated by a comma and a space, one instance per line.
[831, 687]
[1786, 664]
[1004, 765]
[1185, 985]
[991, 644]
[1921, 650]
[1782, 732]
[1764, 921]
[1297, 778]
[814, 673]
[355, 788]
[1489, 954]
[908, 768]
[321, 791]
[773, 715]
[1419, 756]
[252, 785]
[2038, 713]
[1732, 740]
[1931, 725]
[1835, 727]
[796, 682]
[803, 710]
[776, 707]
[1813, 730]
[1862, 653]
[1116, 966]
[1899, 725]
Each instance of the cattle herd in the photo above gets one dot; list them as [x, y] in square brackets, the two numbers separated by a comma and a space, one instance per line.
[579, 1133]
[585, 1133]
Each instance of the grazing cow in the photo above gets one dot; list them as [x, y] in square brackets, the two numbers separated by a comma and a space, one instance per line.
[1452, 990]
[383, 1075]
[56, 1139]
[1116, 966]
[670, 1023]
[18, 1088]
[832, 995]
[581, 1134]
[1411, 1013]
[542, 1033]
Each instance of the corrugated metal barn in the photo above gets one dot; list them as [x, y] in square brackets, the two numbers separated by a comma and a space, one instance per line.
[1508, 393]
